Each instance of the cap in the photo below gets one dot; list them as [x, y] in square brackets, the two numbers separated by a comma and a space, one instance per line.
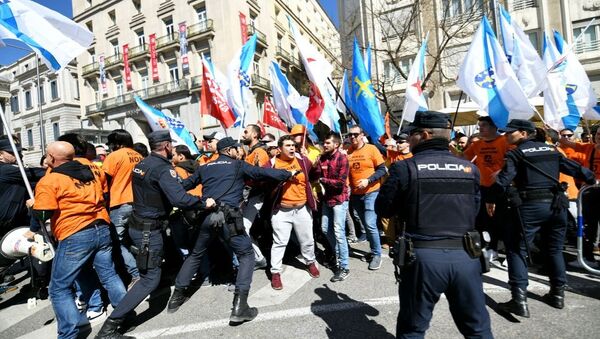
[519, 125]
[402, 137]
[266, 139]
[430, 119]
[272, 143]
[390, 142]
[298, 129]
[5, 146]
[159, 136]
[214, 135]
[226, 143]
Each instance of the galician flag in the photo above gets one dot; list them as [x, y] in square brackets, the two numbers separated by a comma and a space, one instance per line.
[414, 100]
[239, 96]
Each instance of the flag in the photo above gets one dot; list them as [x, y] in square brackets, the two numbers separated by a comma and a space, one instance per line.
[521, 54]
[239, 96]
[555, 96]
[160, 121]
[212, 99]
[343, 86]
[321, 95]
[414, 100]
[368, 59]
[487, 77]
[271, 118]
[54, 37]
[260, 125]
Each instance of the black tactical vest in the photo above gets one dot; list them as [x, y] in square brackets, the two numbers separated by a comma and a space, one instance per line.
[441, 195]
[148, 200]
[543, 156]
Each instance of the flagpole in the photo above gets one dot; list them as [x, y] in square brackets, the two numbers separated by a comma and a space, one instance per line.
[456, 113]
[343, 101]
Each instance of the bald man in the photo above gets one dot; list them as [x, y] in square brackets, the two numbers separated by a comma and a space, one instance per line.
[73, 199]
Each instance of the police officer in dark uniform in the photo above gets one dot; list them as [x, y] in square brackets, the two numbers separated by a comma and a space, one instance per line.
[540, 204]
[223, 180]
[156, 190]
[436, 196]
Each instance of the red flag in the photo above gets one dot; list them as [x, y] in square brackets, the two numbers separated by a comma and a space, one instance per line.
[271, 118]
[212, 100]
[316, 104]
[263, 131]
[388, 132]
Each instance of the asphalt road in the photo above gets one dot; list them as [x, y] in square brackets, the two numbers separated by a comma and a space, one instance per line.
[363, 306]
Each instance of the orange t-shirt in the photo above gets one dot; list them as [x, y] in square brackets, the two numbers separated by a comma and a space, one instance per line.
[119, 165]
[294, 190]
[205, 160]
[258, 157]
[490, 157]
[572, 190]
[363, 162]
[585, 151]
[393, 156]
[75, 204]
[183, 174]
[98, 172]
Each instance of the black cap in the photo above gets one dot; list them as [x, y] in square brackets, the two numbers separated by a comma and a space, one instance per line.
[519, 125]
[5, 146]
[226, 143]
[159, 136]
[213, 135]
[429, 119]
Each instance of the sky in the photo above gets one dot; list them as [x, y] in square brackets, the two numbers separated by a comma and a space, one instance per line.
[9, 55]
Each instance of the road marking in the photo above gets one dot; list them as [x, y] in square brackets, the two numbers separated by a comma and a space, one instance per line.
[292, 278]
[275, 315]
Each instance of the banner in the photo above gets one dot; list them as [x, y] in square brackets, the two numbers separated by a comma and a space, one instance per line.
[243, 27]
[153, 61]
[212, 100]
[126, 64]
[271, 118]
[102, 74]
[183, 48]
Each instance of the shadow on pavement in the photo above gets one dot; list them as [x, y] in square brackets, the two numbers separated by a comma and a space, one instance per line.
[346, 317]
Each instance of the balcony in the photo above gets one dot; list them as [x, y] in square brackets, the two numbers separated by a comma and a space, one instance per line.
[260, 83]
[587, 46]
[166, 41]
[113, 60]
[127, 98]
[138, 52]
[196, 82]
[200, 30]
[90, 69]
[283, 55]
[261, 38]
[523, 4]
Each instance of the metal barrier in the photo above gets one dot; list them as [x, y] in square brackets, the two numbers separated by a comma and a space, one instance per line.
[580, 229]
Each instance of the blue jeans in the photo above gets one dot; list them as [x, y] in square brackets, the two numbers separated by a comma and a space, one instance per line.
[119, 217]
[72, 255]
[333, 222]
[364, 205]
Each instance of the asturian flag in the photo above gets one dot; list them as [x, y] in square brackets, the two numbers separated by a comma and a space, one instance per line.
[414, 100]
[487, 77]
[54, 37]
[160, 121]
[521, 54]
[321, 94]
[239, 96]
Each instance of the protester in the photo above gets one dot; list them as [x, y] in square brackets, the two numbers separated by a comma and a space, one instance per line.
[141, 148]
[212, 140]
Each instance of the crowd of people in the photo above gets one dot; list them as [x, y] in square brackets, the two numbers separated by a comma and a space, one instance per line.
[117, 217]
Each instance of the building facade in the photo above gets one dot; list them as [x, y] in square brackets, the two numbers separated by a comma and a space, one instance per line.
[214, 29]
[58, 100]
[395, 28]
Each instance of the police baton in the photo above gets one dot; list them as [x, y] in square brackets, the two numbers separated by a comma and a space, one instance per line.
[523, 236]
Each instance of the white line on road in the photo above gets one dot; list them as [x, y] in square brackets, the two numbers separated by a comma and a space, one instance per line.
[292, 279]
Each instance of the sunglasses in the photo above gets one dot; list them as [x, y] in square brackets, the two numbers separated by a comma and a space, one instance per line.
[566, 135]
[353, 135]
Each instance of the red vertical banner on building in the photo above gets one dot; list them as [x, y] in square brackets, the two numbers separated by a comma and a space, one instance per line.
[126, 64]
[244, 28]
[183, 48]
[153, 61]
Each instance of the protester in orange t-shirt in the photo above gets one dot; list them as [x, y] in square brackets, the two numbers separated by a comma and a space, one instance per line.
[366, 168]
[73, 199]
[293, 210]
[118, 167]
[211, 140]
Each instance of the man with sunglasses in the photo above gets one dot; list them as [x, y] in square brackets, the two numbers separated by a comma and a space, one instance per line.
[367, 166]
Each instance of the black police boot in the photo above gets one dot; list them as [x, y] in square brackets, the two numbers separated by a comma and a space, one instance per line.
[517, 305]
[241, 312]
[556, 297]
[177, 299]
[109, 330]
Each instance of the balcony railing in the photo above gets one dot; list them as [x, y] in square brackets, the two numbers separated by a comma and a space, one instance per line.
[113, 60]
[258, 81]
[261, 37]
[137, 51]
[167, 40]
[147, 93]
[90, 68]
[523, 4]
[282, 53]
[199, 28]
[587, 46]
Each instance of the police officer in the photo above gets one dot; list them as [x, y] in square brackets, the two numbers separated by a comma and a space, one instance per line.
[541, 205]
[223, 181]
[441, 195]
[156, 190]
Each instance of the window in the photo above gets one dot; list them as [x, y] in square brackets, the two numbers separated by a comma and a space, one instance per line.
[55, 130]
[30, 137]
[389, 21]
[54, 89]
[279, 38]
[533, 38]
[112, 17]
[92, 53]
[14, 103]
[252, 21]
[141, 38]
[169, 27]
[256, 67]
[392, 75]
[174, 72]
[88, 3]
[453, 8]
[144, 79]
[42, 99]
[202, 19]
[119, 84]
[89, 26]
[589, 40]
[137, 4]
[28, 104]
[115, 46]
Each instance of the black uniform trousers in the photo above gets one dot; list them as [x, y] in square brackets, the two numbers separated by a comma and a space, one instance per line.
[240, 244]
[149, 279]
[437, 271]
[494, 224]
[537, 216]
[591, 217]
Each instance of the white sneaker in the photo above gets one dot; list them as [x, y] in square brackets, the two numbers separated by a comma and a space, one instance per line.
[93, 315]
[80, 304]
